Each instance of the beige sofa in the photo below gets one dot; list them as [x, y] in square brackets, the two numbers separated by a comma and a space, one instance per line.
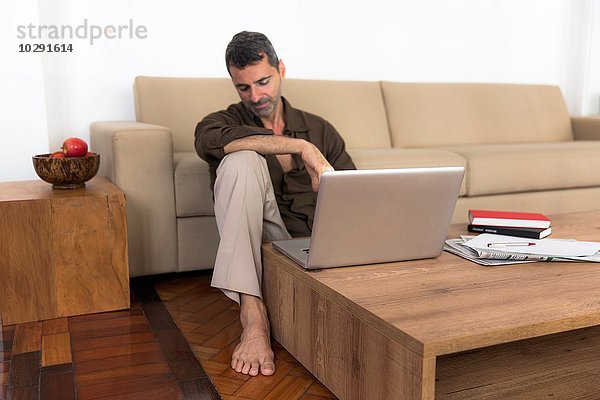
[520, 148]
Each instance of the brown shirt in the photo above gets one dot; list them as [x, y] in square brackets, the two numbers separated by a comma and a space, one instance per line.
[293, 190]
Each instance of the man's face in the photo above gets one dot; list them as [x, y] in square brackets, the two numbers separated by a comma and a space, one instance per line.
[259, 86]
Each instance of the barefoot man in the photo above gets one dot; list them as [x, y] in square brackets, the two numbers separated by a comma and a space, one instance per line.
[266, 159]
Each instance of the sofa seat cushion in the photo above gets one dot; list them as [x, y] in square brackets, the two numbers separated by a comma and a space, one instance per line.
[407, 158]
[193, 196]
[510, 168]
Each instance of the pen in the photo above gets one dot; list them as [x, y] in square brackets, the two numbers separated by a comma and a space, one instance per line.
[514, 244]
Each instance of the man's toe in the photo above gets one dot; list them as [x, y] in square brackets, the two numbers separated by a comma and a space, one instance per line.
[247, 366]
[255, 368]
[238, 366]
[268, 368]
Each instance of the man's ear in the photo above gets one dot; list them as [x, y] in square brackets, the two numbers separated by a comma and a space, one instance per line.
[281, 69]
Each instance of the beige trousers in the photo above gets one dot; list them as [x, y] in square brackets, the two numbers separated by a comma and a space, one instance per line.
[246, 213]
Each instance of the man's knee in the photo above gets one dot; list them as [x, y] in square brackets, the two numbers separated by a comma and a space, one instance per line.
[242, 161]
[243, 166]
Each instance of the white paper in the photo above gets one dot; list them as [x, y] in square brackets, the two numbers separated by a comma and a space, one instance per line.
[543, 247]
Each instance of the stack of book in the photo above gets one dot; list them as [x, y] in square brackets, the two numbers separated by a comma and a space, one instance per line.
[521, 224]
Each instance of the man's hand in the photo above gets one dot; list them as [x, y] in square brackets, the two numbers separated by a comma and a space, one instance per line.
[315, 163]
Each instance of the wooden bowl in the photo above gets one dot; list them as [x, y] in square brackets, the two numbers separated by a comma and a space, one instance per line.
[68, 172]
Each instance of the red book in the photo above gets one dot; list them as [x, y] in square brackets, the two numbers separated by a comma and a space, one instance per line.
[507, 218]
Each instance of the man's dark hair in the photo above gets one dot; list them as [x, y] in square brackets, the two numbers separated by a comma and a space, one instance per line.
[248, 48]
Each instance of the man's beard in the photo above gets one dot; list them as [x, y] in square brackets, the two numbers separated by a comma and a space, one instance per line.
[266, 110]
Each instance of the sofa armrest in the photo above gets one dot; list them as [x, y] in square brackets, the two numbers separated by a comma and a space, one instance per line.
[138, 158]
[407, 158]
[586, 128]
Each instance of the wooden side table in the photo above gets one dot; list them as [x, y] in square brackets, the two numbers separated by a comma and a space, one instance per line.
[62, 252]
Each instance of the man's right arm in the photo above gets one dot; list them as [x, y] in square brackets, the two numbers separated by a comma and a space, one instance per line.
[314, 161]
[220, 133]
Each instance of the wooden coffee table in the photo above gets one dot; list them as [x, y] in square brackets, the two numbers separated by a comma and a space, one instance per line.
[444, 328]
[62, 252]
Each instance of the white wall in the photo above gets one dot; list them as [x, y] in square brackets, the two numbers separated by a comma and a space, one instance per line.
[23, 130]
[591, 97]
[578, 67]
[522, 41]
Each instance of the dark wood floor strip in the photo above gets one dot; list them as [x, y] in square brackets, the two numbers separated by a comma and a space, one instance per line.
[158, 316]
[190, 375]
[6, 340]
[28, 393]
[57, 383]
[24, 370]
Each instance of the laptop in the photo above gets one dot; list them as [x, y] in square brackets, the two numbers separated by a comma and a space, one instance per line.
[377, 216]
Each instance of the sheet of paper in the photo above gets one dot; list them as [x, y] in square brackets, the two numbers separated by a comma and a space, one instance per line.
[545, 247]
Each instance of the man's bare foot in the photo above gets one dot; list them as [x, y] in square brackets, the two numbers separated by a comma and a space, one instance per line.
[253, 354]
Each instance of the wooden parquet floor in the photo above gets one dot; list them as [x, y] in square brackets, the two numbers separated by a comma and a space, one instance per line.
[175, 342]
[210, 323]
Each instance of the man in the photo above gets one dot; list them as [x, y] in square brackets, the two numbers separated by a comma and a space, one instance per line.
[266, 159]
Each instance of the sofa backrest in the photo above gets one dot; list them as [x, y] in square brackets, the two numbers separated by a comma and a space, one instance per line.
[180, 103]
[355, 109]
[440, 114]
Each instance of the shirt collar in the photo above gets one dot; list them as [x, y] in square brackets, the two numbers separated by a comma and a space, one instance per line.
[294, 119]
[295, 124]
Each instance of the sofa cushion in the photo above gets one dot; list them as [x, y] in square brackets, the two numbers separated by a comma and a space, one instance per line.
[193, 196]
[355, 109]
[509, 168]
[445, 114]
[407, 158]
[197, 242]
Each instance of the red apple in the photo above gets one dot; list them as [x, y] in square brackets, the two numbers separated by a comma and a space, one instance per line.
[57, 154]
[89, 154]
[74, 147]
